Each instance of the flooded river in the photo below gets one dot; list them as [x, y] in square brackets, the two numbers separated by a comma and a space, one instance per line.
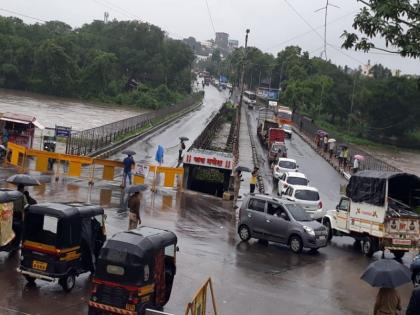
[51, 111]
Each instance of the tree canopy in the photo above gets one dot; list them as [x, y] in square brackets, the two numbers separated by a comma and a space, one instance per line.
[127, 62]
[375, 106]
[396, 21]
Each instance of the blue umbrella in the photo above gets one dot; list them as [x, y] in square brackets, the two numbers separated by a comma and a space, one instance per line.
[159, 154]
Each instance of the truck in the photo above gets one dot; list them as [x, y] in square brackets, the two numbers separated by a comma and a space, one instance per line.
[268, 131]
[380, 211]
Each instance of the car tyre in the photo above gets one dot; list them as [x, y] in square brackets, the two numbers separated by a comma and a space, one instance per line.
[68, 282]
[399, 254]
[368, 246]
[296, 244]
[327, 224]
[244, 233]
[416, 277]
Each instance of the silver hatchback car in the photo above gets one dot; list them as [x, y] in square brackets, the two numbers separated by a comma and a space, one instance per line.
[281, 221]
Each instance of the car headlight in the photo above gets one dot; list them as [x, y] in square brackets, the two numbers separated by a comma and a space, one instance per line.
[309, 230]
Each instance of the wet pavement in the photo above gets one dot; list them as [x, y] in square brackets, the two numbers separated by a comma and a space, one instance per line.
[249, 278]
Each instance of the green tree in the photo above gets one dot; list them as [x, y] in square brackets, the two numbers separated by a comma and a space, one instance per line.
[396, 21]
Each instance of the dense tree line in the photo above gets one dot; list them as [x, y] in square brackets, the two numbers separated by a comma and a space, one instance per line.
[377, 106]
[125, 62]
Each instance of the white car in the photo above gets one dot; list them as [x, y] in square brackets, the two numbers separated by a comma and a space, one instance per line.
[287, 130]
[284, 165]
[291, 179]
[308, 197]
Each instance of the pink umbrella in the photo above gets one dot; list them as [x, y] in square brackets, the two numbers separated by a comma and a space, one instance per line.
[359, 157]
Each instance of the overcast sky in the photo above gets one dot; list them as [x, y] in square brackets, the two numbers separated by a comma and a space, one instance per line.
[273, 23]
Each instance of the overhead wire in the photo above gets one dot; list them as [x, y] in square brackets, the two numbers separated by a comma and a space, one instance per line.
[22, 15]
[210, 16]
[318, 34]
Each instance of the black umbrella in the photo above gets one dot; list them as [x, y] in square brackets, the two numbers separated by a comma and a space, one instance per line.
[386, 273]
[24, 179]
[129, 152]
[135, 188]
[242, 169]
[183, 138]
[7, 195]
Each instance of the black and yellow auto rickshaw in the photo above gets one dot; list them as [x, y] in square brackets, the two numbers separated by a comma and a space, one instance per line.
[135, 271]
[11, 222]
[61, 241]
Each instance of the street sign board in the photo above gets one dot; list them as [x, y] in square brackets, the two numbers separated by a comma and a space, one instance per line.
[209, 158]
[61, 131]
[272, 103]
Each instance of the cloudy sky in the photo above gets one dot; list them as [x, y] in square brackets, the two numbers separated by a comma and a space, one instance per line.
[274, 24]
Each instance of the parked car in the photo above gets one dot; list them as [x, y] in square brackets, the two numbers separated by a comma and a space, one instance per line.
[415, 268]
[283, 165]
[281, 221]
[291, 179]
[287, 130]
[308, 197]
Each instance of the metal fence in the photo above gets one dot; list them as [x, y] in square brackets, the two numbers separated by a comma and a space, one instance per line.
[91, 140]
[307, 126]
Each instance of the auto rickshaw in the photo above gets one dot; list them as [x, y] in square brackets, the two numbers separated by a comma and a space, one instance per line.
[10, 222]
[61, 241]
[135, 271]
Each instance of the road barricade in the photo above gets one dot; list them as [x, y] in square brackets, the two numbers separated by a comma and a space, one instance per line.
[88, 168]
[198, 305]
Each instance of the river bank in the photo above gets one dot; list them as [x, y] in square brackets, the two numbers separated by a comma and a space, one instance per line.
[49, 110]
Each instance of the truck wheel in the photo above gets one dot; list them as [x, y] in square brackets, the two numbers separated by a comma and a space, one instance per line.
[327, 224]
[68, 282]
[295, 244]
[244, 233]
[398, 253]
[368, 246]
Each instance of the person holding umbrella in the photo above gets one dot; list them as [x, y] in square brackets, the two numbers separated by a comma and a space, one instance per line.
[414, 304]
[387, 274]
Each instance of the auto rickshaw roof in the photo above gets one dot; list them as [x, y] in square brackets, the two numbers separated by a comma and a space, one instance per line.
[141, 241]
[7, 195]
[66, 210]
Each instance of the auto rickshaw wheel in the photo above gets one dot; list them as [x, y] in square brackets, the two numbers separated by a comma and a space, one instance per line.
[67, 282]
[30, 280]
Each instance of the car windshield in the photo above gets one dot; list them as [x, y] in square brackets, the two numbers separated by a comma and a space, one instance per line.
[287, 164]
[297, 181]
[308, 195]
[298, 213]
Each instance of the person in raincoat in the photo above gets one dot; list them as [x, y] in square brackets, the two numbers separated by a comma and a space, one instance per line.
[253, 180]
[134, 211]
[388, 302]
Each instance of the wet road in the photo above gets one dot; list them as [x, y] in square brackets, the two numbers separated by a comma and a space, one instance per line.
[189, 126]
[249, 278]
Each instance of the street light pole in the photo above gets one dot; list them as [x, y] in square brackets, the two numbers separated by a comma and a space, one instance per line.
[242, 77]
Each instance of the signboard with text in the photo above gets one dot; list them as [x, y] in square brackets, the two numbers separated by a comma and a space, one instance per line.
[209, 158]
[61, 131]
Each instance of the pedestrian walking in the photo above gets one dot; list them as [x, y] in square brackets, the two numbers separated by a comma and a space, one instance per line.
[332, 147]
[414, 304]
[134, 211]
[325, 142]
[388, 302]
[129, 164]
[345, 157]
[355, 165]
[181, 149]
[341, 158]
[253, 180]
